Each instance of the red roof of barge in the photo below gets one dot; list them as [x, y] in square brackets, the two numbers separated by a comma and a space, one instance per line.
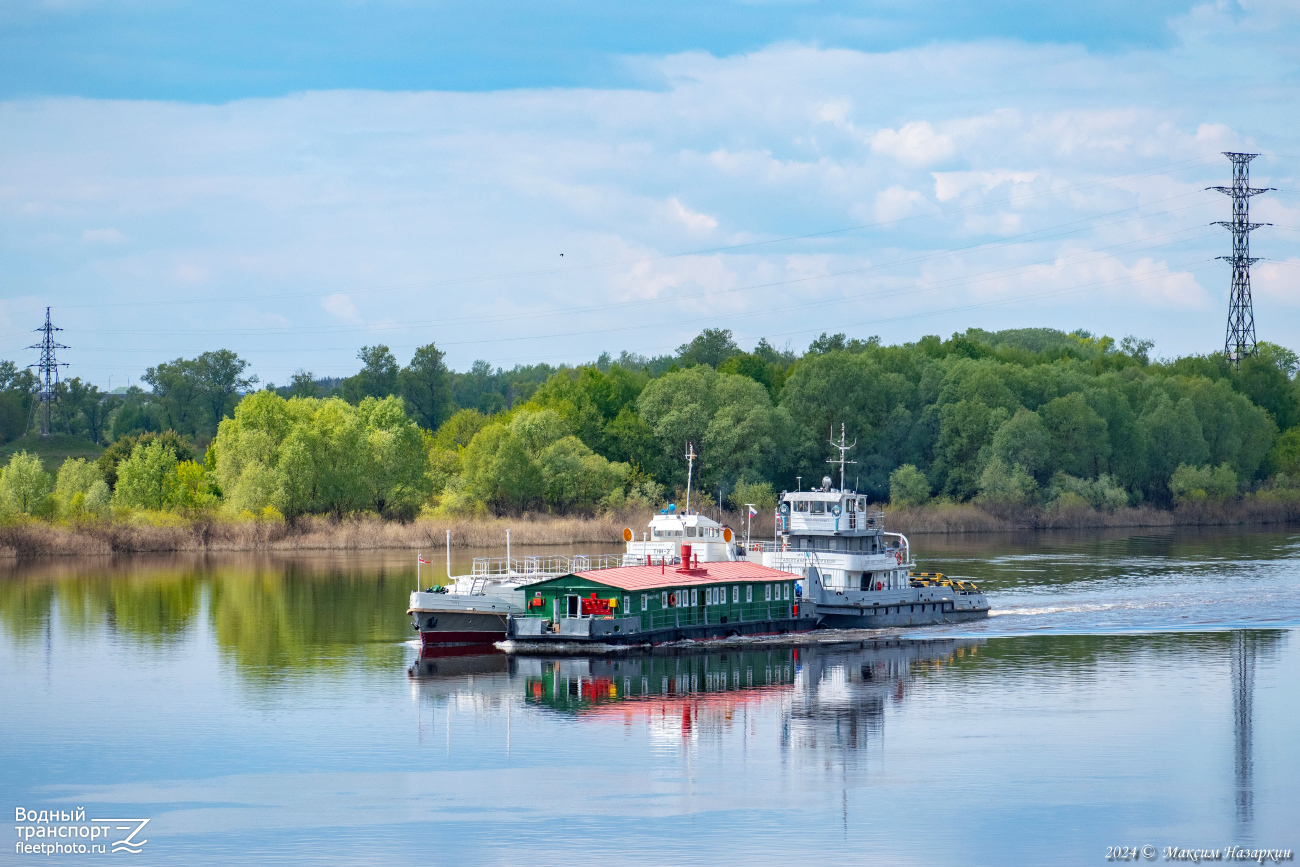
[717, 572]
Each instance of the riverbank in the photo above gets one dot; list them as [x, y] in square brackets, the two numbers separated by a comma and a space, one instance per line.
[369, 533]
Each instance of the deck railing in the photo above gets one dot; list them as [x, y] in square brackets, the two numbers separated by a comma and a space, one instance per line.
[523, 567]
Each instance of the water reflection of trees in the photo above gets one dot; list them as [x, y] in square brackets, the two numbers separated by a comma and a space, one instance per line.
[268, 615]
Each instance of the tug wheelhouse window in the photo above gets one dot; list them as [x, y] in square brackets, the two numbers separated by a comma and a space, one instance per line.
[801, 505]
[818, 507]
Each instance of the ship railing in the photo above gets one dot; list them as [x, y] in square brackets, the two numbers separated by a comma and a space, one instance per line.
[487, 568]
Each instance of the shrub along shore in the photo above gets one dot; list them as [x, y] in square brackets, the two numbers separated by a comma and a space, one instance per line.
[35, 538]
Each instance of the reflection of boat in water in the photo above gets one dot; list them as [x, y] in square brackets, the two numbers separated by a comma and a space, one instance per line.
[837, 693]
[855, 575]
[460, 661]
[819, 696]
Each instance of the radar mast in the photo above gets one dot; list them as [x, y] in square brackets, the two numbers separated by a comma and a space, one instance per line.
[844, 448]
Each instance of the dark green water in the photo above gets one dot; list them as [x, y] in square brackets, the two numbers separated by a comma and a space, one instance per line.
[1132, 690]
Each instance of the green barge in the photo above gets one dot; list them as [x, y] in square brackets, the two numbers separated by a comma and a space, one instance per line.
[657, 604]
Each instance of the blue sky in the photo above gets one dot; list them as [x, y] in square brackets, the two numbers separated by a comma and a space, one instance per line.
[296, 180]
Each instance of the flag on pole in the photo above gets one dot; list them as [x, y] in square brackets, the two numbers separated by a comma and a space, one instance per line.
[753, 513]
[425, 562]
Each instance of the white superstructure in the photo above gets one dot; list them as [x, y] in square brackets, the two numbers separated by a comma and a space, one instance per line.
[854, 574]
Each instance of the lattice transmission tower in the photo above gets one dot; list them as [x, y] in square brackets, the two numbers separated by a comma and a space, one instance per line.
[47, 369]
[1240, 339]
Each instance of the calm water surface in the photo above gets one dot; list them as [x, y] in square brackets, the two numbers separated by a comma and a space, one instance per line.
[1131, 690]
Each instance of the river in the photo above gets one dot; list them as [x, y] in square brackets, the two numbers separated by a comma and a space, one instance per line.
[1133, 689]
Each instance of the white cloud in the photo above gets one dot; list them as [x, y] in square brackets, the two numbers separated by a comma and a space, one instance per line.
[341, 308]
[896, 203]
[694, 221]
[914, 144]
[444, 214]
[950, 185]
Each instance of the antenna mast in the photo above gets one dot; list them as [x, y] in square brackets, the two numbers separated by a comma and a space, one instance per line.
[843, 451]
[47, 368]
[1240, 339]
[690, 464]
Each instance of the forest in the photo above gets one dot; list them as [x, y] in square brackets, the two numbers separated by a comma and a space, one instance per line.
[1010, 420]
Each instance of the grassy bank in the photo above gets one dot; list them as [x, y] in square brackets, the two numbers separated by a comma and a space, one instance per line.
[970, 518]
[37, 538]
[52, 450]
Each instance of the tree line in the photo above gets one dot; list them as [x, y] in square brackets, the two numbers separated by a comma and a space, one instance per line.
[1011, 419]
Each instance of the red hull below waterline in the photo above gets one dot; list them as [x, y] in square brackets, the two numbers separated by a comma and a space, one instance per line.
[434, 639]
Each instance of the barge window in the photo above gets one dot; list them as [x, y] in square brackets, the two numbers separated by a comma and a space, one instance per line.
[663, 599]
[695, 600]
[785, 591]
[735, 594]
[627, 604]
[767, 592]
[645, 601]
[749, 592]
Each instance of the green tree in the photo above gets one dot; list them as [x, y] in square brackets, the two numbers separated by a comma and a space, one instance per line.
[135, 412]
[303, 384]
[1175, 434]
[908, 487]
[321, 456]
[1285, 456]
[74, 480]
[1006, 486]
[179, 393]
[221, 378]
[1023, 441]
[758, 493]
[396, 475]
[712, 346]
[729, 419]
[192, 492]
[17, 389]
[147, 479]
[379, 370]
[425, 385]
[123, 448]
[532, 461]
[1191, 484]
[24, 484]
[458, 430]
[1080, 440]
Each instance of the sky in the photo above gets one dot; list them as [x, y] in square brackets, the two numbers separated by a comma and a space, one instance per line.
[521, 184]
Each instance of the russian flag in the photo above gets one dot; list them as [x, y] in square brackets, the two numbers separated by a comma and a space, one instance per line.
[753, 513]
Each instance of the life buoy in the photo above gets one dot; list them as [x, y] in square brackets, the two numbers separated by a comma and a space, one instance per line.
[898, 555]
